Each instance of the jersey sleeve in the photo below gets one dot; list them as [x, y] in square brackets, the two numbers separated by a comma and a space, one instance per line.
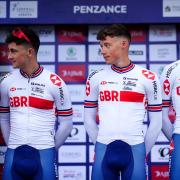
[166, 88]
[167, 82]
[4, 100]
[61, 97]
[63, 109]
[153, 93]
[4, 110]
[154, 107]
[91, 93]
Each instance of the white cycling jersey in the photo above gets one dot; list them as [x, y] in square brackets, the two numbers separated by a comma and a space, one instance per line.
[120, 95]
[33, 104]
[170, 79]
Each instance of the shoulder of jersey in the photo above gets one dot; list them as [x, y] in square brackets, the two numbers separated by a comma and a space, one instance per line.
[146, 74]
[95, 73]
[171, 68]
[7, 77]
[53, 78]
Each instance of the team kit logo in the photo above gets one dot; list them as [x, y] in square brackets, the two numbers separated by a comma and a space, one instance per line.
[55, 80]
[87, 88]
[148, 74]
[166, 87]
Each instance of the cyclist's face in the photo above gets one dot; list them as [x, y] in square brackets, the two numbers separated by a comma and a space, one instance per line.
[18, 55]
[113, 48]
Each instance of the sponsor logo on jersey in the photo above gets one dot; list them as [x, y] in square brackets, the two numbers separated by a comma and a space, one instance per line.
[4, 77]
[87, 88]
[155, 89]
[37, 84]
[55, 79]
[37, 90]
[166, 87]
[13, 89]
[169, 71]
[103, 82]
[61, 92]
[92, 74]
[148, 74]
[129, 83]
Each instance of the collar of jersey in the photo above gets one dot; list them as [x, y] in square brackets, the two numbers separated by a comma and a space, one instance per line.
[35, 74]
[122, 69]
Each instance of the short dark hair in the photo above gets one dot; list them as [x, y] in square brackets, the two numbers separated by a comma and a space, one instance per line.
[24, 36]
[114, 30]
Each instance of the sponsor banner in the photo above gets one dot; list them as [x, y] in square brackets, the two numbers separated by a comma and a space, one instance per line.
[77, 92]
[23, 9]
[138, 33]
[157, 68]
[4, 55]
[171, 8]
[72, 154]
[2, 153]
[46, 53]
[94, 54]
[77, 135]
[91, 153]
[71, 33]
[78, 113]
[96, 67]
[51, 68]
[71, 53]
[72, 172]
[137, 52]
[3, 13]
[162, 33]
[160, 153]
[72, 73]
[162, 52]
[162, 138]
[46, 33]
[92, 32]
[160, 172]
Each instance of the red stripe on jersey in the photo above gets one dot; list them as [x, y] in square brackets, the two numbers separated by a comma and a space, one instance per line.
[166, 103]
[66, 112]
[129, 96]
[90, 104]
[4, 109]
[40, 103]
[155, 107]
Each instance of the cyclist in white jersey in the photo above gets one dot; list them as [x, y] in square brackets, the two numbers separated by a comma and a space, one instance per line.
[119, 94]
[32, 100]
[170, 80]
